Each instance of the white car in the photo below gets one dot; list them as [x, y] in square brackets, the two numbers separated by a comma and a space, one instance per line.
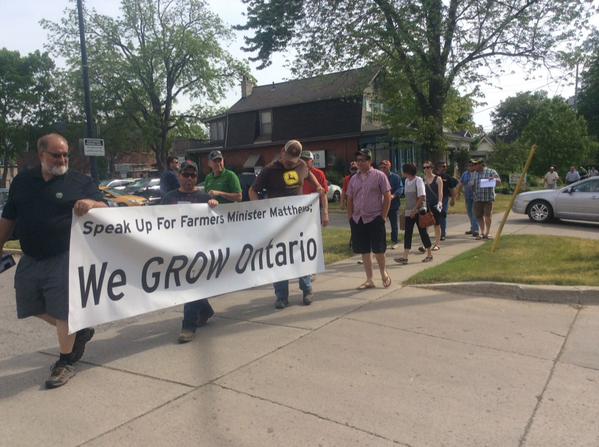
[578, 201]
[334, 194]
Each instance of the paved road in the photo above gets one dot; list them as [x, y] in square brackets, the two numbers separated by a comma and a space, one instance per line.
[383, 367]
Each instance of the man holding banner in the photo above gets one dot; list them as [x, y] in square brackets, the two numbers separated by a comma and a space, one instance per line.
[41, 203]
[195, 313]
[283, 178]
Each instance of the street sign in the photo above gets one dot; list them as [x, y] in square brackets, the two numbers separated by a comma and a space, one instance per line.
[93, 147]
[320, 160]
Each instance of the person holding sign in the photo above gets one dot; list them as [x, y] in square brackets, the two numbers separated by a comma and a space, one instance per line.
[483, 183]
[195, 313]
[41, 202]
[282, 178]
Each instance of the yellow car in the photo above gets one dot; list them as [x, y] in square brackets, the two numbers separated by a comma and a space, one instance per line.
[119, 198]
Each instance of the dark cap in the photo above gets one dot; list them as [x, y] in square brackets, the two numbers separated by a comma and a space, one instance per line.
[214, 155]
[188, 164]
[365, 153]
[307, 155]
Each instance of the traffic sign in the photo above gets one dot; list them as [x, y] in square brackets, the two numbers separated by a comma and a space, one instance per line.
[93, 147]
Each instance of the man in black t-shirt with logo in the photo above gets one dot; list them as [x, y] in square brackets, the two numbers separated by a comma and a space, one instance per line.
[196, 313]
[41, 202]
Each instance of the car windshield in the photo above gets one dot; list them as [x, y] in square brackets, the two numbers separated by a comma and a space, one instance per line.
[104, 183]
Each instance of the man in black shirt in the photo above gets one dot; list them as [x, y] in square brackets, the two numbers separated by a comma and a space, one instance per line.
[168, 179]
[449, 194]
[196, 313]
[40, 203]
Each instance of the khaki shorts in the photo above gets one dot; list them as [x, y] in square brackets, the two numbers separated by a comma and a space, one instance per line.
[482, 209]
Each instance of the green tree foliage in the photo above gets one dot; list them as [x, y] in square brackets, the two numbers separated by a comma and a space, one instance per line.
[433, 44]
[588, 96]
[561, 137]
[149, 58]
[509, 158]
[515, 113]
[29, 102]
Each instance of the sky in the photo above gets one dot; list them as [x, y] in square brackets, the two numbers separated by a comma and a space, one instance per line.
[20, 30]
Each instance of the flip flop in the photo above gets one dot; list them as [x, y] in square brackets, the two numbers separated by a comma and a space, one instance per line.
[427, 259]
[386, 280]
[402, 261]
[366, 285]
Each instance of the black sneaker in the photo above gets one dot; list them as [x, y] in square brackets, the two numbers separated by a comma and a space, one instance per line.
[421, 249]
[443, 238]
[281, 303]
[81, 338]
[61, 373]
[307, 298]
[475, 234]
[468, 232]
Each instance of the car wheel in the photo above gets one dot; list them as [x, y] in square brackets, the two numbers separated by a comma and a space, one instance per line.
[336, 196]
[540, 211]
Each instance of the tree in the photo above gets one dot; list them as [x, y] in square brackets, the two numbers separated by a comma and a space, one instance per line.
[434, 44]
[588, 96]
[29, 102]
[151, 57]
[561, 137]
[515, 113]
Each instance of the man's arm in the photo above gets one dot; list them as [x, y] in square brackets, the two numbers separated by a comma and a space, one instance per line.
[386, 204]
[82, 206]
[253, 194]
[6, 230]
[324, 203]
[231, 196]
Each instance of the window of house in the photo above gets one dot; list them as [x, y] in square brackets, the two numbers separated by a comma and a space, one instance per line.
[217, 130]
[266, 123]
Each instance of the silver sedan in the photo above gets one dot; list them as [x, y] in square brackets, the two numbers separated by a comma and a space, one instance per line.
[578, 201]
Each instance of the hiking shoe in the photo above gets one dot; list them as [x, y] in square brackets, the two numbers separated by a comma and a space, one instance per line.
[307, 298]
[81, 338]
[281, 303]
[475, 234]
[61, 373]
[443, 238]
[186, 336]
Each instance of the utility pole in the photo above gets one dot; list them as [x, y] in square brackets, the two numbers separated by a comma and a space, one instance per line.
[89, 128]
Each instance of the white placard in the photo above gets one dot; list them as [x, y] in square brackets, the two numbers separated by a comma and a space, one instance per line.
[93, 147]
[320, 160]
[487, 182]
[129, 261]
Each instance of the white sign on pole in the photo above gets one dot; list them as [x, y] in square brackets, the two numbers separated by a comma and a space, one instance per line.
[128, 261]
[320, 160]
[93, 147]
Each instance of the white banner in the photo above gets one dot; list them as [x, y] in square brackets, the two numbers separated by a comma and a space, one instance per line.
[129, 261]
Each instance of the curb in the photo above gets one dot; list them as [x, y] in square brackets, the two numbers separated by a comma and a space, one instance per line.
[581, 295]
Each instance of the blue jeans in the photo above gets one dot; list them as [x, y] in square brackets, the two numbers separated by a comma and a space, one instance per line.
[471, 216]
[443, 219]
[393, 222]
[282, 287]
[193, 311]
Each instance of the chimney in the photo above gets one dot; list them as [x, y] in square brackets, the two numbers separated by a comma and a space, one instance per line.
[246, 87]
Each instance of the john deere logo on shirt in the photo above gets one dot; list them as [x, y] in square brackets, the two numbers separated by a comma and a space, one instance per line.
[59, 195]
[291, 178]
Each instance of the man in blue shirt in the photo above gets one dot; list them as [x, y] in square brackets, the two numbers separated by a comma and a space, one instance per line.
[169, 179]
[468, 197]
[396, 192]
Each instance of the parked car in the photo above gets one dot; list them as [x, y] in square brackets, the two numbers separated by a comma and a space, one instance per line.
[120, 198]
[149, 188]
[334, 194]
[578, 201]
[118, 184]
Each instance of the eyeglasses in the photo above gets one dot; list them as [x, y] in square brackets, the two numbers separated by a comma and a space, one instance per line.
[427, 167]
[189, 174]
[57, 155]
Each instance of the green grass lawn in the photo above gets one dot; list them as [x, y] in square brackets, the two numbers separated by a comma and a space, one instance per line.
[522, 259]
[336, 244]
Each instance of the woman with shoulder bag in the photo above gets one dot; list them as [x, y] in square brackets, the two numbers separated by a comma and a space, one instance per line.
[434, 200]
[415, 204]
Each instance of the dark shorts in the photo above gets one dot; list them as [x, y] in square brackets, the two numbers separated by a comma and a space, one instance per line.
[368, 237]
[482, 209]
[42, 286]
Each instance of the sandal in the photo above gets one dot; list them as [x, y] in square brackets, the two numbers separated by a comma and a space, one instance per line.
[402, 261]
[487, 237]
[366, 285]
[435, 248]
[478, 238]
[386, 280]
[421, 249]
[427, 259]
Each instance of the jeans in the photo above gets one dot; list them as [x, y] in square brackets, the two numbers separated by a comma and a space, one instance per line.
[393, 222]
[282, 287]
[193, 311]
[443, 222]
[471, 216]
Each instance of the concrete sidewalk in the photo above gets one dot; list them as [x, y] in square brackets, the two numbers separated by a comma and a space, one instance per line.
[400, 366]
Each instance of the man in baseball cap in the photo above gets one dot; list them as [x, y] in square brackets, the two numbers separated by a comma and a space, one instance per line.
[308, 158]
[222, 184]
